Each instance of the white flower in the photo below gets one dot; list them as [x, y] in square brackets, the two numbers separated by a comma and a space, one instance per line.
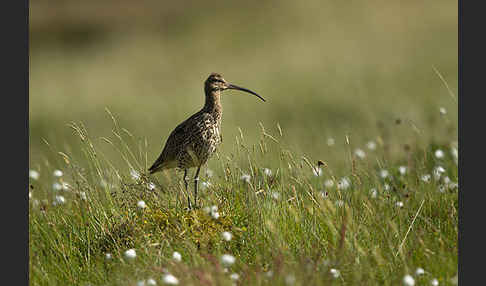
[131, 253]
[408, 280]
[371, 145]
[56, 186]
[59, 200]
[215, 215]
[454, 280]
[267, 172]
[334, 272]
[339, 203]
[246, 178]
[446, 180]
[419, 271]
[402, 170]
[383, 173]
[151, 186]
[328, 183]
[213, 211]
[386, 187]
[360, 153]
[438, 171]
[227, 235]
[108, 256]
[82, 195]
[141, 283]
[442, 189]
[57, 173]
[235, 276]
[324, 194]
[170, 279]
[374, 193]
[454, 152]
[269, 273]
[290, 279]
[227, 259]
[35, 203]
[33, 174]
[344, 183]
[434, 282]
[135, 175]
[425, 178]
[177, 256]
[65, 186]
[453, 186]
[439, 154]
[205, 185]
[399, 204]
[209, 173]
[330, 141]
[317, 171]
[151, 282]
[275, 195]
[442, 111]
[141, 205]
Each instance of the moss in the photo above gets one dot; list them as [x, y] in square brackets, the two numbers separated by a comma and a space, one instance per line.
[195, 226]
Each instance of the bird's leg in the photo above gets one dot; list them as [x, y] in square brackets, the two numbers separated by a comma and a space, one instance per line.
[185, 185]
[196, 180]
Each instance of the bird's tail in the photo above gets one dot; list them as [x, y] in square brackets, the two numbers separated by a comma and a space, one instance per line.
[157, 166]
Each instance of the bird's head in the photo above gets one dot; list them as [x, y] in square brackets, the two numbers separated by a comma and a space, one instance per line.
[216, 82]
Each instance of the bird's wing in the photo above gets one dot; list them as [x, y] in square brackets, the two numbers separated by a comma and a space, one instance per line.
[170, 150]
[177, 139]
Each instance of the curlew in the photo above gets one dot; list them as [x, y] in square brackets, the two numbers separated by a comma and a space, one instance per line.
[192, 142]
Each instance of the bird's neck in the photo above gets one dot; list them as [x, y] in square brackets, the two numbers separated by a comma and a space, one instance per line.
[213, 102]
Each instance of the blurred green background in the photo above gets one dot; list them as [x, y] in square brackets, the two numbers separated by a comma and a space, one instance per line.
[326, 68]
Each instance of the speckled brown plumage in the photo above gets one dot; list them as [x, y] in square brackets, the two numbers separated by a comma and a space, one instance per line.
[192, 142]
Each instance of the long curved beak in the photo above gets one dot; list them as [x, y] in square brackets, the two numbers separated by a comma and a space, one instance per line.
[232, 86]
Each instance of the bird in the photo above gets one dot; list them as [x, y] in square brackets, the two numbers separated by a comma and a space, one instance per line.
[194, 141]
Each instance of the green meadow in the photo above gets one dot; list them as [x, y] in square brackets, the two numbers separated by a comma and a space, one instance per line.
[367, 89]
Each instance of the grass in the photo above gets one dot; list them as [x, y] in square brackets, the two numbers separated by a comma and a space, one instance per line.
[282, 225]
[326, 69]
[106, 92]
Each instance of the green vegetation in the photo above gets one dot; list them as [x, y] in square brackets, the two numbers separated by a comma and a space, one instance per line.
[102, 105]
[372, 226]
